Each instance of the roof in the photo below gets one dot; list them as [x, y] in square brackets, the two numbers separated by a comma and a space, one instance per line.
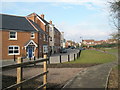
[43, 19]
[89, 40]
[38, 27]
[56, 29]
[18, 23]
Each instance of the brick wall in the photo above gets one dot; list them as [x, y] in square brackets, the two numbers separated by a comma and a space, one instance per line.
[22, 40]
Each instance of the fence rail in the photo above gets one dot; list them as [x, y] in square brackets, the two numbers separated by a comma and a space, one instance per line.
[19, 67]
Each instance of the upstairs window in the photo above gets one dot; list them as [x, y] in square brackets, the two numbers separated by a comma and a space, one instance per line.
[32, 35]
[13, 35]
[13, 50]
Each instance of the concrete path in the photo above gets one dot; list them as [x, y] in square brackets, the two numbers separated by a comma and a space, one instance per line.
[92, 77]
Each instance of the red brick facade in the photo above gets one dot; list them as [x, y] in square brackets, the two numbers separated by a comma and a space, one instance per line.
[22, 39]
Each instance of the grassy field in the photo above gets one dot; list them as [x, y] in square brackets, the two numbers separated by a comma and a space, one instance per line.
[92, 56]
[111, 50]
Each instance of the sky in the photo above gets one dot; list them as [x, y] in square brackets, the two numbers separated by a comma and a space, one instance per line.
[78, 19]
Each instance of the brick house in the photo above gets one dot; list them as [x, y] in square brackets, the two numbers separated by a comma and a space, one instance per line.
[40, 22]
[21, 37]
[55, 38]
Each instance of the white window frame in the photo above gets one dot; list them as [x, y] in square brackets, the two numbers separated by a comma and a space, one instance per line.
[32, 33]
[14, 50]
[13, 38]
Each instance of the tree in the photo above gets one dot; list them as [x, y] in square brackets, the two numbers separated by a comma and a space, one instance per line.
[115, 35]
[115, 12]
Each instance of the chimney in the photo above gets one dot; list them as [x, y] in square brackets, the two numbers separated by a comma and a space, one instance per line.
[42, 16]
[50, 22]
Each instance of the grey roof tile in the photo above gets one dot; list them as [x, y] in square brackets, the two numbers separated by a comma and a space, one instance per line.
[17, 23]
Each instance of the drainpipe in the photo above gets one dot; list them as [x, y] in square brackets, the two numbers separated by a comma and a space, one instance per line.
[38, 45]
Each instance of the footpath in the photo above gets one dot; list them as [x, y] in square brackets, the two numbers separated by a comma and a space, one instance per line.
[92, 77]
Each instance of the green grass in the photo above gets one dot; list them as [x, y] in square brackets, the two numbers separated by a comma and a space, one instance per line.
[112, 50]
[94, 57]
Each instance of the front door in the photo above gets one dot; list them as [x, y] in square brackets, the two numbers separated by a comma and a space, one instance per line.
[30, 52]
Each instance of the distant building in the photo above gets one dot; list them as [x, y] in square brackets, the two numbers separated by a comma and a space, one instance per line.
[62, 40]
[88, 42]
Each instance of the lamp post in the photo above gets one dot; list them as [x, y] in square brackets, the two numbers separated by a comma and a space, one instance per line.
[81, 41]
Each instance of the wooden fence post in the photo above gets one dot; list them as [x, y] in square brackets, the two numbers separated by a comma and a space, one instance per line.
[60, 59]
[19, 73]
[45, 70]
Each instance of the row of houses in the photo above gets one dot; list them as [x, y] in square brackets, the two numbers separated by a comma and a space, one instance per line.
[28, 36]
[88, 43]
[93, 42]
[70, 43]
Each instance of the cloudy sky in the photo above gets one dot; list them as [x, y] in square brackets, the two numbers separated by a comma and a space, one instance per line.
[88, 19]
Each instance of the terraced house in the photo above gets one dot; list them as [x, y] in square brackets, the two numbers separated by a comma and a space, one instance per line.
[24, 36]
[31, 36]
[50, 29]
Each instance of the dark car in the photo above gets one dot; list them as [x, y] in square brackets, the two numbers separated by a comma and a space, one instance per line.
[72, 47]
[63, 50]
[81, 48]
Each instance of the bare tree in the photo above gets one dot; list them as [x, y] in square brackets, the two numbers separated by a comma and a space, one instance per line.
[115, 14]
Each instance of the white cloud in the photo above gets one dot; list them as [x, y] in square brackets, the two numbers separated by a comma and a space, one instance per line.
[95, 2]
[84, 30]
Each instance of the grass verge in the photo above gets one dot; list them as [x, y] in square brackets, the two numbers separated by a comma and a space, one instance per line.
[92, 56]
[113, 78]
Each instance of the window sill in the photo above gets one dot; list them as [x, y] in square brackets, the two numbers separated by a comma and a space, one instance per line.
[32, 37]
[12, 39]
[14, 54]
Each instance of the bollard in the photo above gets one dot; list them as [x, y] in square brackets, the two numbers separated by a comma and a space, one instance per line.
[34, 60]
[74, 57]
[45, 70]
[19, 73]
[60, 59]
[77, 55]
[49, 60]
[68, 58]
[14, 57]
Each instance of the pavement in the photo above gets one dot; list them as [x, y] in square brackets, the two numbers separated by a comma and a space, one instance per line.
[92, 77]
[55, 58]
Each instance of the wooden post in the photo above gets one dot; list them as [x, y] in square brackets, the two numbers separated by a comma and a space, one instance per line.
[19, 73]
[60, 59]
[68, 58]
[45, 70]
[74, 57]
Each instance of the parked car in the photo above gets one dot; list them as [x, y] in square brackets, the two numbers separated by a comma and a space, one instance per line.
[63, 50]
[72, 47]
[81, 48]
